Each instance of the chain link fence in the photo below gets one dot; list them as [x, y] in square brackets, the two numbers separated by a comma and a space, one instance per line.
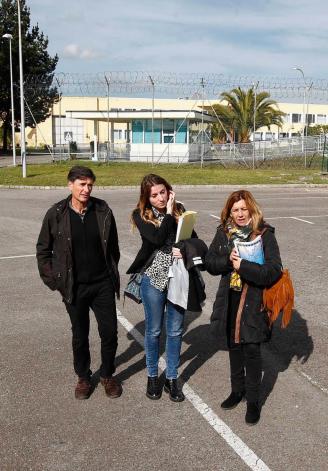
[296, 152]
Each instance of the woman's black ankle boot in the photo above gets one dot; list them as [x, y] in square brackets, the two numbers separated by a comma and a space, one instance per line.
[154, 390]
[172, 387]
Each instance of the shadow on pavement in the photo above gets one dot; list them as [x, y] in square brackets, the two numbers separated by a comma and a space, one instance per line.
[125, 357]
[294, 342]
[285, 345]
[202, 346]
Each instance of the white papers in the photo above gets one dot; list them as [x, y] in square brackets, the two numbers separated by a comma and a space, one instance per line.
[178, 288]
[251, 251]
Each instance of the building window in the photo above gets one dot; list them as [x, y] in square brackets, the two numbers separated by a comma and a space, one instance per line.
[181, 131]
[117, 134]
[310, 118]
[137, 131]
[321, 119]
[157, 131]
[296, 118]
[168, 131]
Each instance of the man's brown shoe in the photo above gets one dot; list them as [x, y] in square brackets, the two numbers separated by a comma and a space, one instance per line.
[83, 389]
[113, 387]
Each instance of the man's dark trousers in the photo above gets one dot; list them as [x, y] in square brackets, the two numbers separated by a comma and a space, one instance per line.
[100, 297]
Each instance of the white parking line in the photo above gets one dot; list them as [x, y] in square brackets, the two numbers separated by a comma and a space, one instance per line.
[17, 256]
[239, 447]
[308, 217]
[312, 381]
[302, 220]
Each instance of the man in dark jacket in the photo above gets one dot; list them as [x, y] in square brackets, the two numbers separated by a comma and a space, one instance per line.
[78, 255]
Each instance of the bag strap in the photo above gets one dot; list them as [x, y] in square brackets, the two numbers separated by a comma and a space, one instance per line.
[240, 310]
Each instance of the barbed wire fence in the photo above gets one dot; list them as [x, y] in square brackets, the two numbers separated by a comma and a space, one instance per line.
[200, 87]
[175, 85]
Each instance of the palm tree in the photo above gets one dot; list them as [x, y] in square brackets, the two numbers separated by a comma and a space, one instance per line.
[237, 117]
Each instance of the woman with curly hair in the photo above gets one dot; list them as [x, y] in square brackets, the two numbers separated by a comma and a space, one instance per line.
[238, 312]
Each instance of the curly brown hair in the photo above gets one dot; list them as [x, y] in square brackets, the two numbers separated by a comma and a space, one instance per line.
[251, 204]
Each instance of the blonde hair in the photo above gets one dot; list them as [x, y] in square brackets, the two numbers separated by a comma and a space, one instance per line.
[144, 205]
[251, 204]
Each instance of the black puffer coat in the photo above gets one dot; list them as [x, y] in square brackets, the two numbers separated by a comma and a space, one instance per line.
[254, 325]
[54, 247]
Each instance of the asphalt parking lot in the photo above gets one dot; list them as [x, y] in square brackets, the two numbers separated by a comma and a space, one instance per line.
[43, 428]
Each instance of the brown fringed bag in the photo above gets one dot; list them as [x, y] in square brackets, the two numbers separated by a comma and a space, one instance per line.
[280, 297]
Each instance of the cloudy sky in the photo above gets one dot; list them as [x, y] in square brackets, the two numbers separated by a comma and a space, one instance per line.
[262, 37]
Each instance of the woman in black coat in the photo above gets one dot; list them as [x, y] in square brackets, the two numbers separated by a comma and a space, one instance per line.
[238, 311]
[156, 219]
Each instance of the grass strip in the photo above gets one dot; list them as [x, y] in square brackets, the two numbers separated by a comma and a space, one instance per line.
[130, 174]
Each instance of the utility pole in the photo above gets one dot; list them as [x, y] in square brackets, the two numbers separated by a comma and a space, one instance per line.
[202, 132]
[60, 122]
[108, 151]
[23, 146]
[300, 70]
[152, 119]
[254, 120]
[10, 37]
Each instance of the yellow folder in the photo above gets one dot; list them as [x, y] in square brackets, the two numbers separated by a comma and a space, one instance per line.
[186, 224]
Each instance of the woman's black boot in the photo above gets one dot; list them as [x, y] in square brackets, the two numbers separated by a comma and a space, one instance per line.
[233, 400]
[253, 413]
[154, 390]
[171, 386]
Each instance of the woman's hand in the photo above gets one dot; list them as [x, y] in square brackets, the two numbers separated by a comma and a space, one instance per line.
[170, 203]
[235, 259]
[176, 253]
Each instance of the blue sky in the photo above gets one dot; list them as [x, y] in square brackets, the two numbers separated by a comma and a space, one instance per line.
[261, 37]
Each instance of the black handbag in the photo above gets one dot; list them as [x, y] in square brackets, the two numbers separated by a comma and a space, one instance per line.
[132, 289]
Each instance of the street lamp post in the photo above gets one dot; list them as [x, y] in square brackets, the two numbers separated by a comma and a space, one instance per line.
[10, 37]
[23, 147]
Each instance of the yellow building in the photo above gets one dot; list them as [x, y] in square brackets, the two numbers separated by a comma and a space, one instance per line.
[159, 127]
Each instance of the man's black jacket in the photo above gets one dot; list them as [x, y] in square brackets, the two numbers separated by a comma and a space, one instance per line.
[54, 247]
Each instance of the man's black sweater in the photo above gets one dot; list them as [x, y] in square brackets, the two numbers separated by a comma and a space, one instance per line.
[89, 263]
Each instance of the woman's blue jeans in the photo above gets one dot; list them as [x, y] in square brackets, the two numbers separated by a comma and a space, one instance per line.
[155, 302]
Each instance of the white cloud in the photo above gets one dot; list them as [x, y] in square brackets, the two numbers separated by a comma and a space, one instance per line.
[89, 54]
[74, 51]
[71, 50]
